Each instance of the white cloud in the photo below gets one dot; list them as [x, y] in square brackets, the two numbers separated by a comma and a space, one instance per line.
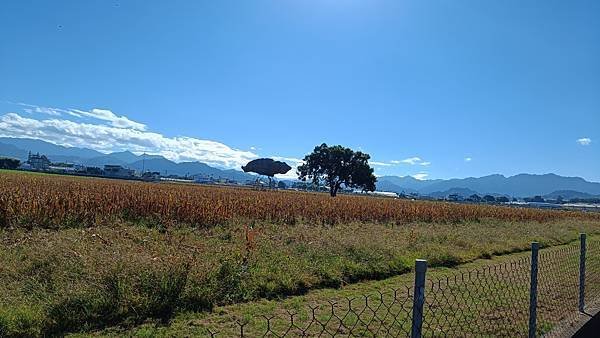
[42, 110]
[381, 164]
[107, 138]
[109, 116]
[468, 159]
[585, 141]
[98, 114]
[412, 161]
[421, 176]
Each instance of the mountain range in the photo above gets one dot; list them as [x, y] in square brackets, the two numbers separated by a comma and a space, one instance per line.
[522, 185]
[19, 148]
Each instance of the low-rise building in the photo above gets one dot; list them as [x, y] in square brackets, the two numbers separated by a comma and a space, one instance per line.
[38, 162]
[112, 170]
[151, 176]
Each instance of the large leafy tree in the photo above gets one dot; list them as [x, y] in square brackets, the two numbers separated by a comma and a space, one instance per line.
[337, 166]
[9, 163]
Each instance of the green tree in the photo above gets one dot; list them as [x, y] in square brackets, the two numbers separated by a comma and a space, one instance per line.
[338, 165]
[489, 198]
[502, 199]
[9, 163]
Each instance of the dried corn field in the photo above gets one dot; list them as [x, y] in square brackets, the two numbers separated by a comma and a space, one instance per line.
[57, 201]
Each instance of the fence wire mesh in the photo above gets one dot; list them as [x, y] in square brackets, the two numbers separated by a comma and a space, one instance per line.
[558, 288]
[592, 276]
[492, 300]
[382, 314]
[489, 301]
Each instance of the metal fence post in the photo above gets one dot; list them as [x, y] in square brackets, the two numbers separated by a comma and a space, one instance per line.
[582, 273]
[535, 246]
[419, 298]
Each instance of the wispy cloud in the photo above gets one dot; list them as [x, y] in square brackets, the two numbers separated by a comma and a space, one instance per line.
[380, 164]
[116, 137]
[29, 108]
[412, 161]
[107, 115]
[585, 141]
[96, 114]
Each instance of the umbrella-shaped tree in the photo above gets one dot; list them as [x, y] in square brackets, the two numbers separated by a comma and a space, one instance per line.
[267, 167]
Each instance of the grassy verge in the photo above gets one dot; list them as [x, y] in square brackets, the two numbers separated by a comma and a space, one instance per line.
[57, 281]
[486, 297]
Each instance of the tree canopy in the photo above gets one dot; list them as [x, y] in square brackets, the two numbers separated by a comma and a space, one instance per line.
[337, 166]
[9, 163]
[267, 167]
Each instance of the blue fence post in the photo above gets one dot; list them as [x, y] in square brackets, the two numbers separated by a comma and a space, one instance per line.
[582, 272]
[419, 298]
[535, 246]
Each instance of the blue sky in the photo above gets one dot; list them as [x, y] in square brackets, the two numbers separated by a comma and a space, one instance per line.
[434, 89]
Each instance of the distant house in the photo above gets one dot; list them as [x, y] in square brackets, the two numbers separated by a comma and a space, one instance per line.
[203, 179]
[382, 193]
[93, 171]
[38, 162]
[62, 169]
[151, 176]
[117, 171]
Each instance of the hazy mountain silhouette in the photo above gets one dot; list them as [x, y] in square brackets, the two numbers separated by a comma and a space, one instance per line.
[569, 194]
[48, 148]
[406, 182]
[19, 148]
[521, 185]
[464, 192]
[9, 150]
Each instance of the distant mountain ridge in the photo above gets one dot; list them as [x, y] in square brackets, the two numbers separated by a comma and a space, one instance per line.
[522, 185]
[569, 195]
[20, 147]
[33, 145]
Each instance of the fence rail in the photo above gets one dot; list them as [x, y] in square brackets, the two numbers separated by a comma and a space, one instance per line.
[529, 296]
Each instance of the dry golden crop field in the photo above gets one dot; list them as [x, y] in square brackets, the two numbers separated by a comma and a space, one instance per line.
[80, 254]
[58, 201]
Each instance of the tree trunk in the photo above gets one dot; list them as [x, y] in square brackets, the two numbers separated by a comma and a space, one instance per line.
[333, 188]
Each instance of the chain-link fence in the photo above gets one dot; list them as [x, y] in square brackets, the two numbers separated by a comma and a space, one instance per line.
[592, 277]
[530, 296]
[492, 300]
